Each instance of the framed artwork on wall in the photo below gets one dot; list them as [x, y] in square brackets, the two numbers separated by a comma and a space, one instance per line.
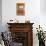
[20, 9]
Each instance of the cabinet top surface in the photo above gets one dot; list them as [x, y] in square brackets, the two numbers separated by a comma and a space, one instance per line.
[19, 23]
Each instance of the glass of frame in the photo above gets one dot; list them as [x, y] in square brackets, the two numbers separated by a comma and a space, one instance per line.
[20, 8]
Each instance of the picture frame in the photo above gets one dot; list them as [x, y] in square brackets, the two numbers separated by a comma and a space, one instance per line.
[20, 8]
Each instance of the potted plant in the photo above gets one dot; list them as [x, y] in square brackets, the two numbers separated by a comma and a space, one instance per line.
[41, 36]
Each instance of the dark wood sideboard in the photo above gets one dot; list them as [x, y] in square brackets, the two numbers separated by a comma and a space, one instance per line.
[22, 33]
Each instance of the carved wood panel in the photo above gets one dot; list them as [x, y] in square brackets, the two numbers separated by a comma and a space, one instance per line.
[22, 33]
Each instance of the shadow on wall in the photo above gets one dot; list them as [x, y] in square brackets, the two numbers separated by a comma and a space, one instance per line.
[0, 15]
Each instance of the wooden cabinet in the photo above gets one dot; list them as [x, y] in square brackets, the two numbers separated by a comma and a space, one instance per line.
[22, 33]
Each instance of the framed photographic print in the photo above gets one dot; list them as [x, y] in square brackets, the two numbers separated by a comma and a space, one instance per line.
[20, 8]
